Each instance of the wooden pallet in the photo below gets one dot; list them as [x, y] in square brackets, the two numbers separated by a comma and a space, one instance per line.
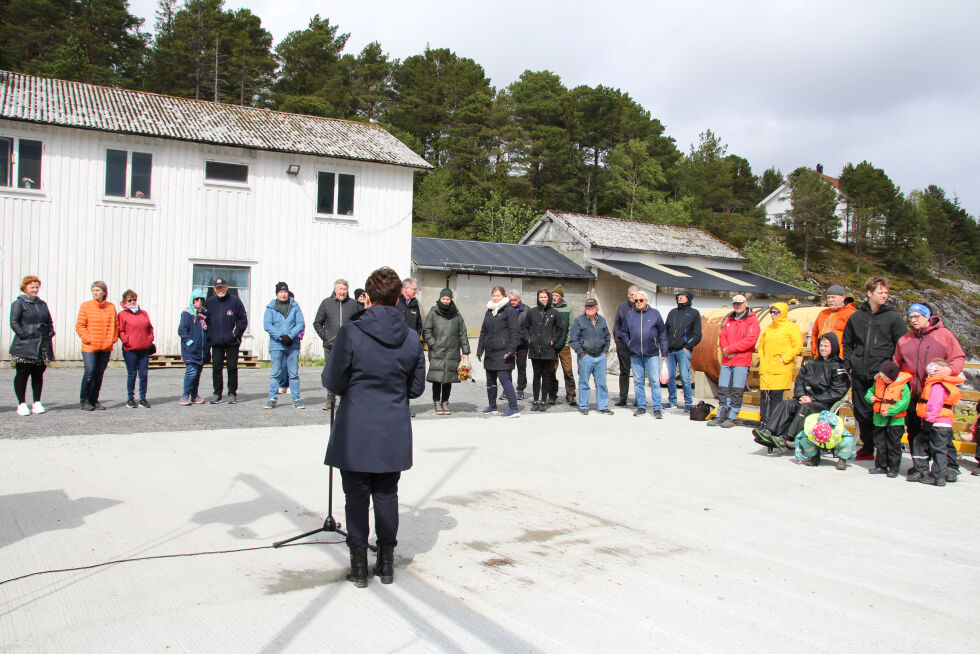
[158, 361]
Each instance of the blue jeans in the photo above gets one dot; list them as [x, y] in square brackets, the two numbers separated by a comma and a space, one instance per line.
[679, 358]
[192, 379]
[288, 359]
[592, 366]
[137, 363]
[502, 376]
[643, 368]
[731, 386]
[95, 363]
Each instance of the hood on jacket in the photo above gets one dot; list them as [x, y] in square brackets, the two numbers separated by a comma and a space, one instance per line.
[935, 322]
[384, 324]
[834, 345]
[544, 307]
[690, 299]
[783, 311]
[194, 295]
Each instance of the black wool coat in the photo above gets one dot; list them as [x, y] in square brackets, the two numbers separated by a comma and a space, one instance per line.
[543, 326]
[32, 325]
[375, 366]
[500, 337]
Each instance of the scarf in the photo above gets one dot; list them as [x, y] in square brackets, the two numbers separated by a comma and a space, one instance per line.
[497, 306]
[447, 311]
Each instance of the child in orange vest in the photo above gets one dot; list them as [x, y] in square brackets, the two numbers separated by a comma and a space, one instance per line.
[935, 406]
[889, 399]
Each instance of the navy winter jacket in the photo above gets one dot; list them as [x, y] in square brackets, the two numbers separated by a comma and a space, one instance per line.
[375, 366]
[645, 333]
[190, 329]
[586, 338]
[227, 319]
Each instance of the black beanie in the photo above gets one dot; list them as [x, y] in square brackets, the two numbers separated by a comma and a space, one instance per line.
[889, 369]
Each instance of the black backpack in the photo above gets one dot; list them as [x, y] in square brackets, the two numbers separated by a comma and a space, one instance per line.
[701, 411]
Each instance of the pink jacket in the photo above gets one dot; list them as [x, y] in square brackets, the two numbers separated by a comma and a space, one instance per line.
[937, 394]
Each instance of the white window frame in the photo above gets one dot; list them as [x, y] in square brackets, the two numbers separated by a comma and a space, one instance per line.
[336, 171]
[223, 263]
[245, 186]
[129, 150]
[14, 189]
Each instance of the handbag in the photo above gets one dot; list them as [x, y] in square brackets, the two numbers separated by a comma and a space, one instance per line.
[701, 411]
[153, 349]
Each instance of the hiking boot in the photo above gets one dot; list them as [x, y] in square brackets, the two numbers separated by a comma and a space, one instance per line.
[639, 412]
[98, 406]
[553, 400]
[607, 412]
[534, 406]
[542, 407]
[131, 403]
[951, 476]
[215, 399]
[878, 471]
[621, 402]
[584, 412]
[914, 475]
[727, 423]
[892, 474]
[813, 461]
[658, 414]
[932, 481]
[86, 406]
[437, 408]
[384, 567]
[144, 404]
[570, 401]
[841, 464]
[232, 398]
[271, 404]
[445, 409]
[358, 572]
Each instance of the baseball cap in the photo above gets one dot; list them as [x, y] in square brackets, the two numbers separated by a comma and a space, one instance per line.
[220, 281]
[739, 299]
[592, 302]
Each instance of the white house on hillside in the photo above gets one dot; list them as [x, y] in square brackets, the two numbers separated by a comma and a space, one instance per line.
[661, 259]
[162, 194]
[778, 203]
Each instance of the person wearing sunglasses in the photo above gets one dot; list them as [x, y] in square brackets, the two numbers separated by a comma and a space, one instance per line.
[779, 346]
[136, 334]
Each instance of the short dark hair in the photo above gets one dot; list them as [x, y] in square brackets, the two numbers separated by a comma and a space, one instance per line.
[383, 286]
[874, 282]
[128, 293]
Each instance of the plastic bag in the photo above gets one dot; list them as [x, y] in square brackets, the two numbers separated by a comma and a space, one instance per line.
[664, 377]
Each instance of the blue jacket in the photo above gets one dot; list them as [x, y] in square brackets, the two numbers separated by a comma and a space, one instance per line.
[276, 325]
[645, 333]
[585, 338]
[190, 329]
[227, 319]
[375, 366]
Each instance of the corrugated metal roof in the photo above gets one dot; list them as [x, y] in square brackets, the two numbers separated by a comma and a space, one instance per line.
[87, 106]
[635, 236]
[493, 258]
[707, 279]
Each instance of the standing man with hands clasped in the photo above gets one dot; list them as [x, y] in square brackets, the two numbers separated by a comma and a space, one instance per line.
[284, 322]
[683, 334]
[334, 312]
[589, 338]
[622, 347]
[227, 321]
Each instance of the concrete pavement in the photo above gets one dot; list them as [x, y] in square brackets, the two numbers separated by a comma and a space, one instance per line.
[546, 533]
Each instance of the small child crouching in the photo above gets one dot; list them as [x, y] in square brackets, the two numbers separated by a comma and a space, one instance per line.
[935, 406]
[824, 431]
[889, 399]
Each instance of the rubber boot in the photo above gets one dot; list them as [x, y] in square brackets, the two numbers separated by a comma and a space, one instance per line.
[385, 565]
[358, 572]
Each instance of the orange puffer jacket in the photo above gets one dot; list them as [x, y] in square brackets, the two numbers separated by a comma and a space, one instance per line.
[97, 325]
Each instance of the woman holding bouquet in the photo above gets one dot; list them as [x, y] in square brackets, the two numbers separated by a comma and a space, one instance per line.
[499, 338]
[444, 332]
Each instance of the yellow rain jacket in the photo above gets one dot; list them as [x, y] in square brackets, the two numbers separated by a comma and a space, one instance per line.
[779, 346]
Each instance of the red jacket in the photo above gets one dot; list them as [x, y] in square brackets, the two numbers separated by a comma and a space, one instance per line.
[135, 330]
[915, 349]
[738, 336]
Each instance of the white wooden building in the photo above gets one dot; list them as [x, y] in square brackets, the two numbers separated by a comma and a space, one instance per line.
[161, 194]
[778, 204]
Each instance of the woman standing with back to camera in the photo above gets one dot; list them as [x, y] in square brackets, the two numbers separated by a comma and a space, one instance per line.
[31, 349]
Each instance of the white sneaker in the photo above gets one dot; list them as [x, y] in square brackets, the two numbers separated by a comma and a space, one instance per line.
[22, 410]
[38, 408]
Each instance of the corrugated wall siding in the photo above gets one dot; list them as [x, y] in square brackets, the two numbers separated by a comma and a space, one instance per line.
[69, 234]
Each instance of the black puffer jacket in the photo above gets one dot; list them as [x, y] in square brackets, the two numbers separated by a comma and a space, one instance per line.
[824, 380]
[870, 338]
[499, 338]
[411, 312]
[31, 323]
[542, 324]
[683, 326]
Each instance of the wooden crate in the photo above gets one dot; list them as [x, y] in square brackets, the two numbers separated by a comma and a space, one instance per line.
[245, 360]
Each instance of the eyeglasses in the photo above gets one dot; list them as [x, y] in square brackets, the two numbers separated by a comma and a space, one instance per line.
[774, 312]
[641, 301]
[916, 316]
[131, 300]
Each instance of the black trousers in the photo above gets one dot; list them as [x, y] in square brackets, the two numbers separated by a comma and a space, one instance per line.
[521, 369]
[625, 365]
[222, 356]
[360, 489]
[769, 400]
[863, 415]
[440, 391]
[888, 447]
[932, 444]
[787, 418]
[540, 369]
[36, 374]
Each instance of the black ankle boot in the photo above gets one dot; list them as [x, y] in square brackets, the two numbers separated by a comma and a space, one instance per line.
[358, 572]
[385, 565]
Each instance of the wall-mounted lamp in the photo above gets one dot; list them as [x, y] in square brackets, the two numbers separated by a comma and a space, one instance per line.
[293, 169]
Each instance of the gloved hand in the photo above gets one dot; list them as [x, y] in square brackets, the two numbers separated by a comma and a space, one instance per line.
[286, 340]
[189, 342]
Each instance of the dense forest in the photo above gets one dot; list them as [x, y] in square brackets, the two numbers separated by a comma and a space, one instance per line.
[501, 156]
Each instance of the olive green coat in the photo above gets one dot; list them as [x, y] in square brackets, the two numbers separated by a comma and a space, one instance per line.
[445, 340]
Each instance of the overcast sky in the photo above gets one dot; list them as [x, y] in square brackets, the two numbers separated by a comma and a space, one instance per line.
[784, 83]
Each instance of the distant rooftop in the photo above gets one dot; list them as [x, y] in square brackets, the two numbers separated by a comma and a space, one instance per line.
[487, 258]
[87, 106]
[636, 236]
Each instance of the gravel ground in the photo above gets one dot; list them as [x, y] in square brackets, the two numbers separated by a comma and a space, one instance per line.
[61, 386]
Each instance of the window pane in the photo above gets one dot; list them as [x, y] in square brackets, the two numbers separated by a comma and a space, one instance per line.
[203, 277]
[6, 159]
[115, 173]
[29, 164]
[324, 193]
[225, 171]
[139, 185]
[345, 195]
